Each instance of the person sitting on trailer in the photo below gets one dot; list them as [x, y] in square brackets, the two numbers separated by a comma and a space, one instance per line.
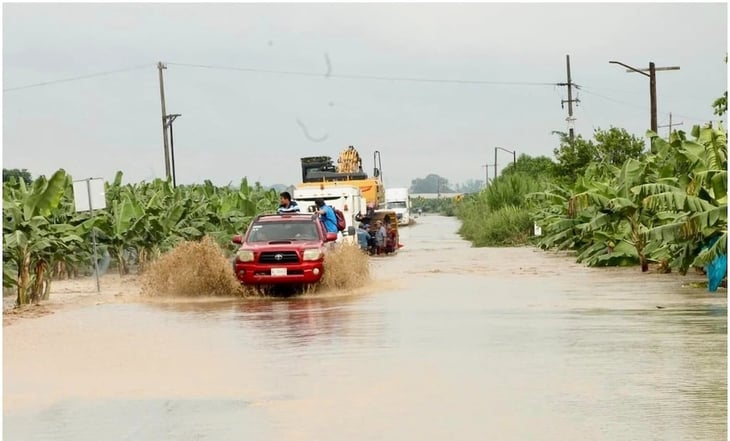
[287, 205]
[363, 237]
[390, 244]
[370, 210]
[380, 236]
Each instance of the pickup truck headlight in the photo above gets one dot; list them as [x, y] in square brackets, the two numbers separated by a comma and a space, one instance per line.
[245, 256]
[312, 254]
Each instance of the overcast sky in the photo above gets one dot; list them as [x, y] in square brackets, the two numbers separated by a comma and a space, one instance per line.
[237, 124]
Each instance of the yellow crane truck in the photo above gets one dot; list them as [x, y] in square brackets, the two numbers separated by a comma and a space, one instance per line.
[321, 172]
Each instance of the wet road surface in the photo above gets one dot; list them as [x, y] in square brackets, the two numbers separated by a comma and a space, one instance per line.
[450, 342]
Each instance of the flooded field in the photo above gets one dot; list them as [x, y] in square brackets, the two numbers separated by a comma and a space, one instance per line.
[447, 342]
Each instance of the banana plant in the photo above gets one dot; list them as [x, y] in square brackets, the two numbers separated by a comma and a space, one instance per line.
[26, 211]
[43, 236]
[696, 205]
[617, 203]
[120, 228]
[55, 243]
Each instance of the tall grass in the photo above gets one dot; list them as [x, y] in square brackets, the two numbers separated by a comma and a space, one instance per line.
[499, 215]
[508, 226]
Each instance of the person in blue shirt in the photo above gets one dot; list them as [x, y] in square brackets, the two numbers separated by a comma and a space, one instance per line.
[327, 216]
[363, 236]
[287, 205]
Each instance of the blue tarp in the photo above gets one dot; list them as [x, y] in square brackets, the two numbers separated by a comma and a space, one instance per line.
[716, 270]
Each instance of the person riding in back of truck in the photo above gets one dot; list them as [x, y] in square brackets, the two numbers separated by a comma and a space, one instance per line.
[327, 216]
[286, 204]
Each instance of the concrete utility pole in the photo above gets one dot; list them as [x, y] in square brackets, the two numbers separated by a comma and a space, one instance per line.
[570, 99]
[486, 174]
[652, 86]
[514, 158]
[161, 66]
[670, 125]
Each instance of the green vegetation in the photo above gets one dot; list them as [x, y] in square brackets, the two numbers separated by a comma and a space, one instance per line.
[608, 147]
[432, 183]
[612, 202]
[499, 215]
[14, 173]
[663, 208]
[44, 238]
[444, 206]
[538, 167]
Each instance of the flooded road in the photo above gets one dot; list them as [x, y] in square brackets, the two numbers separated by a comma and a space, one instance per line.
[450, 342]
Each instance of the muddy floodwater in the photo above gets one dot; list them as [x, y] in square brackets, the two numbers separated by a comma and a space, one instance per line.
[448, 343]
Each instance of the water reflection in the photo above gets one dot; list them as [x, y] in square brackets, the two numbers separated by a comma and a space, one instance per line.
[297, 321]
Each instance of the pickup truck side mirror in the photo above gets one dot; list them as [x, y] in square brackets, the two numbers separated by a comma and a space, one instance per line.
[237, 239]
[331, 237]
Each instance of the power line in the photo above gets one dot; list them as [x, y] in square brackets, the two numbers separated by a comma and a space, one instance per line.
[81, 77]
[360, 77]
[589, 92]
[638, 106]
[592, 89]
[587, 115]
[611, 89]
[689, 117]
[329, 74]
[342, 76]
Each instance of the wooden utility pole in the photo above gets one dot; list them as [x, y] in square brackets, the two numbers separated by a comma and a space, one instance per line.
[161, 66]
[570, 99]
[652, 95]
[652, 86]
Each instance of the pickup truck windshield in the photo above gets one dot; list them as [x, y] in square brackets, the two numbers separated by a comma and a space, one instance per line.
[396, 204]
[268, 231]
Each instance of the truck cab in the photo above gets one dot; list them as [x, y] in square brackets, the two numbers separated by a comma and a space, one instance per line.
[282, 249]
[398, 200]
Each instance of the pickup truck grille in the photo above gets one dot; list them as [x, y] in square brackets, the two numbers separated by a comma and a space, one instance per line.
[279, 257]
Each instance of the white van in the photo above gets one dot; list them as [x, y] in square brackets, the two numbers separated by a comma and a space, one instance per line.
[398, 200]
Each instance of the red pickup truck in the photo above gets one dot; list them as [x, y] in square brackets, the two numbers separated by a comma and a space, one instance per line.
[282, 249]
